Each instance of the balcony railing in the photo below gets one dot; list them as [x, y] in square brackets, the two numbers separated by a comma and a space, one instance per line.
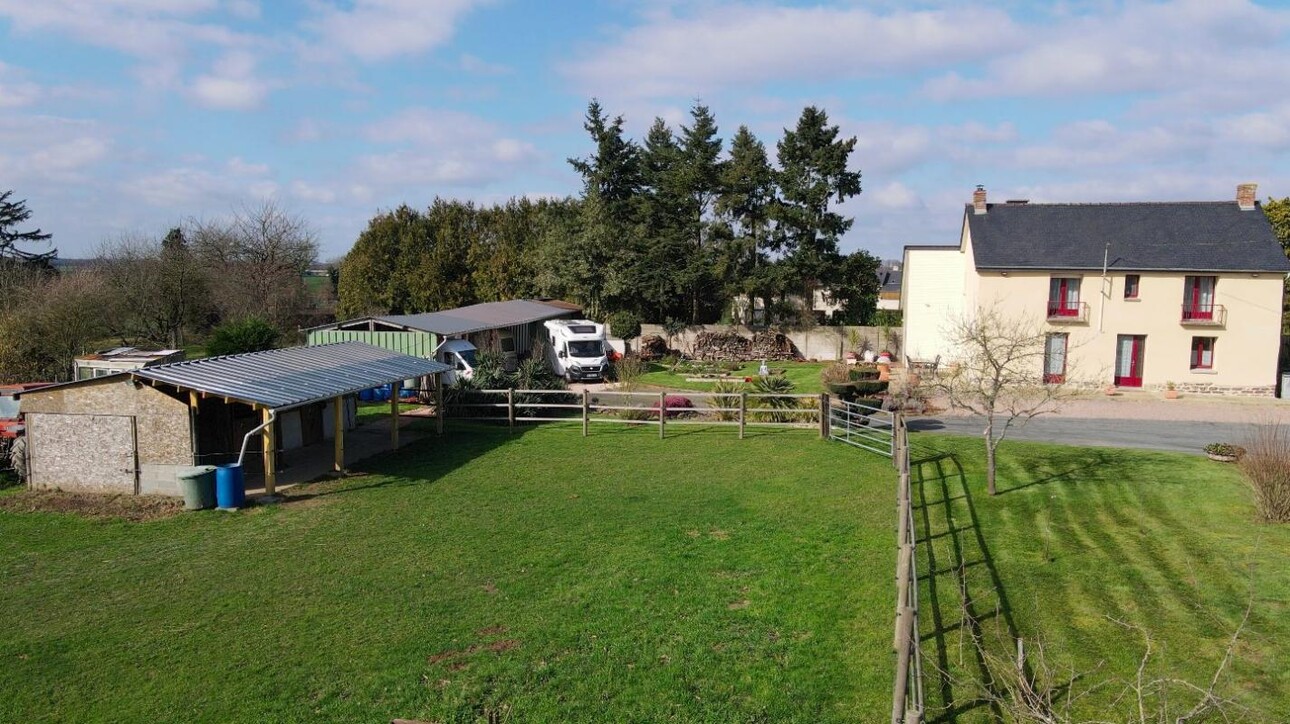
[1060, 312]
[1204, 315]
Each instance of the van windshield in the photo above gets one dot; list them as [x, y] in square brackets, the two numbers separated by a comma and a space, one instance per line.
[468, 356]
[8, 407]
[586, 348]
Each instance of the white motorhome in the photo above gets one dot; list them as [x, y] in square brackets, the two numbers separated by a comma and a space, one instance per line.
[578, 351]
[460, 356]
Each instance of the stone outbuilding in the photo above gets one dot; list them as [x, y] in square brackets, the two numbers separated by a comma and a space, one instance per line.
[133, 432]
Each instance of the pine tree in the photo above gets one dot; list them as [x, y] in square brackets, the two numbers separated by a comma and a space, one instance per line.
[744, 205]
[700, 178]
[13, 213]
[813, 172]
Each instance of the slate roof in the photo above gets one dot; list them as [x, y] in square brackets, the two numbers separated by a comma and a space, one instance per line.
[474, 318]
[290, 377]
[890, 279]
[1155, 236]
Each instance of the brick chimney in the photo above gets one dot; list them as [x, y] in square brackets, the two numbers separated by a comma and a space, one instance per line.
[978, 200]
[1245, 194]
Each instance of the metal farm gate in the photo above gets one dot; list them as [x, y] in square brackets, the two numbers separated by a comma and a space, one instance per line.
[869, 428]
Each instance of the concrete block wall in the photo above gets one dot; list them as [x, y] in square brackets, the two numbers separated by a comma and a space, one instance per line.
[821, 343]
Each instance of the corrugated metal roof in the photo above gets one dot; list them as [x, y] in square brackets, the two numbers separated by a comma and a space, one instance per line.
[478, 317]
[282, 378]
[474, 318]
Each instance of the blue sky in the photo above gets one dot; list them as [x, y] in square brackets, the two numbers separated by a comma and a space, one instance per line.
[129, 116]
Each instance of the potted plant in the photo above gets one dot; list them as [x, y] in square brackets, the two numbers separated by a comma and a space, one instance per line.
[1111, 390]
[1224, 452]
[1171, 391]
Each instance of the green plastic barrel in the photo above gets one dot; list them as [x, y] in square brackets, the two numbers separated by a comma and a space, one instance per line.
[197, 485]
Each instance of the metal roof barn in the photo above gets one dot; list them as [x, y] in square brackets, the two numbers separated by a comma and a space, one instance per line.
[474, 318]
[284, 378]
[139, 431]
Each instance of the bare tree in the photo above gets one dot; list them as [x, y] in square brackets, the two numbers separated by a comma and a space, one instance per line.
[57, 319]
[257, 259]
[159, 287]
[999, 375]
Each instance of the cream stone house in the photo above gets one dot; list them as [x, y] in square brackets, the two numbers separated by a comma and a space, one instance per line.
[1130, 294]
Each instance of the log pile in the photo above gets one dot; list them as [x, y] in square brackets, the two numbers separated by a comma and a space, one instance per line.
[653, 348]
[733, 347]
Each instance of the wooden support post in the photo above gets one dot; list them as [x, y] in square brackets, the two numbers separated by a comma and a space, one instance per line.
[338, 430]
[586, 411]
[394, 416]
[824, 416]
[438, 403]
[662, 413]
[743, 412]
[510, 407]
[270, 444]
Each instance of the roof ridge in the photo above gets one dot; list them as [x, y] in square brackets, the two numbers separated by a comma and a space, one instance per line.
[1108, 203]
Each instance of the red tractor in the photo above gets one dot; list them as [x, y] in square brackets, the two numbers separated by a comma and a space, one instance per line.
[11, 427]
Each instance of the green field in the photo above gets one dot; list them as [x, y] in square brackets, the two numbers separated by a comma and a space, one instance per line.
[540, 576]
[804, 375]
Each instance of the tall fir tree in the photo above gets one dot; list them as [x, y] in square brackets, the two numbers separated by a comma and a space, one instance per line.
[744, 206]
[700, 178]
[812, 175]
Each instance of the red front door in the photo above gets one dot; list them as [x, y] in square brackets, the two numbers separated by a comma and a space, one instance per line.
[1129, 354]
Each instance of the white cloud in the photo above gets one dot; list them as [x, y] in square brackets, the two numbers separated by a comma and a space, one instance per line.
[375, 30]
[479, 66]
[232, 84]
[43, 150]
[743, 45]
[895, 195]
[1185, 45]
[244, 9]
[15, 90]
[195, 188]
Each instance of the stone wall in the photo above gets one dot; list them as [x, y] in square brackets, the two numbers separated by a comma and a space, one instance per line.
[820, 343]
[162, 433]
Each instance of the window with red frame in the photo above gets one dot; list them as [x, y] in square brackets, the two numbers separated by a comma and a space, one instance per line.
[1202, 353]
[1131, 282]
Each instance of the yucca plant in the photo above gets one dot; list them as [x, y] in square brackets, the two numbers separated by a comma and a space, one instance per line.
[727, 399]
[772, 407]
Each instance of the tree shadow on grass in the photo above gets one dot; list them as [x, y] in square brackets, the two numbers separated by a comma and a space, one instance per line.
[952, 548]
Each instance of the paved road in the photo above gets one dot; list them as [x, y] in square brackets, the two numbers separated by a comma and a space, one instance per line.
[1172, 435]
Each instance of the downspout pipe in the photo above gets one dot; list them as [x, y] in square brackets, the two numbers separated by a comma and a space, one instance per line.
[273, 415]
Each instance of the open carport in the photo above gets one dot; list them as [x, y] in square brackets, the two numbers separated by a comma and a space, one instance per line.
[134, 432]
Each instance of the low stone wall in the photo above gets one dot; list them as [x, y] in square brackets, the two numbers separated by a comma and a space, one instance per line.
[1204, 388]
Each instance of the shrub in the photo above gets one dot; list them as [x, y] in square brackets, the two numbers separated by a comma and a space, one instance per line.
[1266, 465]
[836, 374]
[625, 324]
[490, 371]
[628, 370]
[727, 396]
[1225, 449]
[244, 335]
[772, 407]
[677, 406]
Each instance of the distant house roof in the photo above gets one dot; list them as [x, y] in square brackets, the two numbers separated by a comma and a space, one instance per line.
[128, 354]
[889, 279]
[475, 318]
[286, 378]
[1165, 236]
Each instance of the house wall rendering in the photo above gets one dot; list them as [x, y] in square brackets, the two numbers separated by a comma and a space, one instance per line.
[1240, 356]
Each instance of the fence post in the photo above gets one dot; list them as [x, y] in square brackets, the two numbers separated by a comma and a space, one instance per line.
[510, 406]
[743, 411]
[586, 410]
[662, 413]
[824, 416]
[438, 403]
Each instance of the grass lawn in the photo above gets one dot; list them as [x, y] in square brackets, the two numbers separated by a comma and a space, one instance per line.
[805, 376]
[369, 412]
[1080, 538]
[540, 576]
[536, 575]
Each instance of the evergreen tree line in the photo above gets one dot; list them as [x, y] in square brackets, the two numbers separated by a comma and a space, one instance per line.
[672, 228]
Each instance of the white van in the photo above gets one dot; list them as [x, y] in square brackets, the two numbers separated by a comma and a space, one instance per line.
[460, 356]
[578, 350]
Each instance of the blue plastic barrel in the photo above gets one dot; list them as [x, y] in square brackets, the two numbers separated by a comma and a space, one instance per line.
[364, 395]
[230, 489]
